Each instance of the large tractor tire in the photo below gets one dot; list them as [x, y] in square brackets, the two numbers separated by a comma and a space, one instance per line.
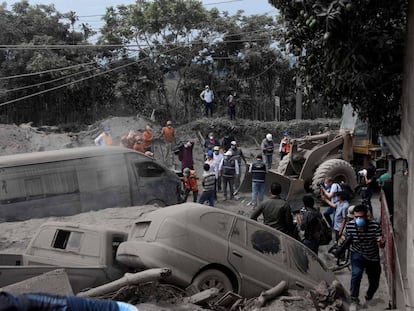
[339, 170]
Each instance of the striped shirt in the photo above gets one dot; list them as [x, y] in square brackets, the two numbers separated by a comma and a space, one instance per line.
[209, 181]
[364, 242]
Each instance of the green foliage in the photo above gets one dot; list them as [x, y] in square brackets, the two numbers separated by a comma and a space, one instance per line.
[349, 52]
[29, 25]
[162, 54]
[196, 47]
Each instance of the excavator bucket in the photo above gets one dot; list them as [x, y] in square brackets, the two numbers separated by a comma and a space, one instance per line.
[292, 189]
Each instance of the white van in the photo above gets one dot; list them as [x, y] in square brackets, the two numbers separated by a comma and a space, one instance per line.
[71, 181]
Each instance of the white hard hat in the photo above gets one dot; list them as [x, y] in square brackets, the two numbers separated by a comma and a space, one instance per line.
[228, 153]
[269, 136]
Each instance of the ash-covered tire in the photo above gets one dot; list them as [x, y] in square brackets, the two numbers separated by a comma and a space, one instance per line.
[339, 170]
[213, 278]
[283, 164]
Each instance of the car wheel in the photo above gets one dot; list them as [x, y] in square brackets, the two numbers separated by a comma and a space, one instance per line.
[213, 278]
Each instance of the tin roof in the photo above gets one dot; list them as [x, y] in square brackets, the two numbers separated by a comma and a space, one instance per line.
[394, 146]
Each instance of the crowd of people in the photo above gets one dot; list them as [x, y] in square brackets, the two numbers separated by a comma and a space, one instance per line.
[354, 227]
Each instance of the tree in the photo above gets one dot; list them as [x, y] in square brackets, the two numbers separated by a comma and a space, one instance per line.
[197, 47]
[349, 52]
[26, 27]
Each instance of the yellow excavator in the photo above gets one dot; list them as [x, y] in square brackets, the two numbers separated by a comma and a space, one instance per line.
[312, 158]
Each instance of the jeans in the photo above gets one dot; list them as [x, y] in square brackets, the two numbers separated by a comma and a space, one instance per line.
[327, 215]
[207, 196]
[258, 190]
[169, 154]
[228, 181]
[232, 113]
[207, 107]
[373, 270]
[268, 160]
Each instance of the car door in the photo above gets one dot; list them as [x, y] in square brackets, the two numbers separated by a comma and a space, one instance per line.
[258, 255]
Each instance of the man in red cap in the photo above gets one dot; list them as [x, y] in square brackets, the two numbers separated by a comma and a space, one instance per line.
[168, 133]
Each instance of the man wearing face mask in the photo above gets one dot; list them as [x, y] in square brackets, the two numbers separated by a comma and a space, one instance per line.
[365, 238]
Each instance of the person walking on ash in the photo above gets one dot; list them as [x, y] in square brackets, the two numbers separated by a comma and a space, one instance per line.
[208, 182]
[229, 168]
[258, 170]
[276, 212]
[190, 184]
[168, 133]
[365, 238]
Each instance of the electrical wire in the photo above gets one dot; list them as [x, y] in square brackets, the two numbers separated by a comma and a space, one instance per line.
[93, 62]
[261, 73]
[47, 82]
[45, 71]
[61, 47]
[76, 81]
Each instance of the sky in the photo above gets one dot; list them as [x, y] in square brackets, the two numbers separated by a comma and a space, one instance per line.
[89, 11]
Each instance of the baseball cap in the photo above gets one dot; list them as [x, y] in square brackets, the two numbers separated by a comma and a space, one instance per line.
[269, 136]
[169, 122]
[233, 143]
[216, 148]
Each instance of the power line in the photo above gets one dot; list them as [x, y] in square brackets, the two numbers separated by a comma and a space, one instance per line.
[67, 46]
[45, 71]
[76, 81]
[94, 62]
[47, 82]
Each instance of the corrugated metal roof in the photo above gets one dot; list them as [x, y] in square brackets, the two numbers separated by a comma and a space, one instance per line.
[393, 145]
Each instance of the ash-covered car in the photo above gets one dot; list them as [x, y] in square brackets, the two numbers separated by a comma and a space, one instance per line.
[210, 247]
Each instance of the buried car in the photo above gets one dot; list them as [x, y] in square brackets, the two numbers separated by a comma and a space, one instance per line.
[209, 247]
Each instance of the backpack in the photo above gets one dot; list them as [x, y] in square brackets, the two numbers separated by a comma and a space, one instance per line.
[325, 231]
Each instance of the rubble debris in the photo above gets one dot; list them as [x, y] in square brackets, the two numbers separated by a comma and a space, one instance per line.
[271, 293]
[203, 297]
[53, 282]
[127, 279]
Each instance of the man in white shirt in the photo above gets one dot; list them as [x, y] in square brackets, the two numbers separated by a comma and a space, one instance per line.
[331, 195]
[207, 96]
[217, 157]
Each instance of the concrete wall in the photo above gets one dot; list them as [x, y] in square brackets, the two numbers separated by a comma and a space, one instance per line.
[408, 147]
